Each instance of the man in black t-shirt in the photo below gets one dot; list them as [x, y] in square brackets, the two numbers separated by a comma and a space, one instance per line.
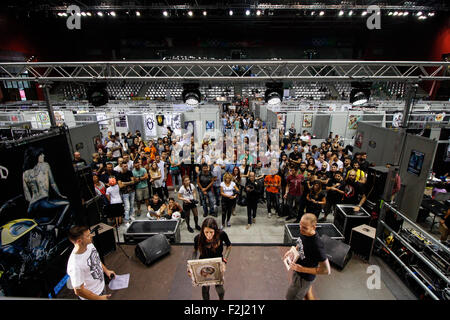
[295, 158]
[127, 184]
[311, 262]
[157, 208]
[353, 191]
[109, 173]
[78, 161]
[205, 181]
[335, 189]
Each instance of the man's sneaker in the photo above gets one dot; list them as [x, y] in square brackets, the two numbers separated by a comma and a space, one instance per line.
[270, 214]
[228, 224]
[127, 224]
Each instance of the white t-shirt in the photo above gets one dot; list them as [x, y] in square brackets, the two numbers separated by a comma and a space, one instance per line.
[228, 190]
[114, 193]
[161, 168]
[305, 138]
[110, 145]
[187, 193]
[86, 268]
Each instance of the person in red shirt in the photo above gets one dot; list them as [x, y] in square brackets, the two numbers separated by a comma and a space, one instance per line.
[272, 183]
[294, 192]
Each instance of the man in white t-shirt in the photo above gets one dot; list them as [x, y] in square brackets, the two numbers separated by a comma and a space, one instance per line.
[85, 268]
[305, 137]
[115, 147]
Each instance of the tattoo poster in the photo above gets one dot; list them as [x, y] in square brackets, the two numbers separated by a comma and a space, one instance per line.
[359, 139]
[189, 126]
[307, 120]
[209, 125]
[353, 121]
[149, 125]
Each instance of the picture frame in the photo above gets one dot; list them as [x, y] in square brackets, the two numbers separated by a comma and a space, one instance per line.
[206, 272]
[307, 120]
[292, 256]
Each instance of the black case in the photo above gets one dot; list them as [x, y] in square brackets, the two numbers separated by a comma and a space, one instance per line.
[292, 232]
[345, 219]
[140, 230]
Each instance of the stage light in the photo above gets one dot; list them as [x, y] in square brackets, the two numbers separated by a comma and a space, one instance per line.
[350, 13]
[405, 13]
[341, 13]
[360, 93]
[165, 13]
[400, 14]
[138, 13]
[321, 13]
[60, 14]
[100, 14]
[78, 14]
[205, 13]
[190, 13]
[431, 14]
[274, 93]
[419, 13]
[113, 13]
[83, 14]
[97, 94]
[313, 13]
[364, 13]
[247, 12]
[89, 14]
[191, 94]
[395, 13]
[258, 12]
[390, 14]
[230, 12]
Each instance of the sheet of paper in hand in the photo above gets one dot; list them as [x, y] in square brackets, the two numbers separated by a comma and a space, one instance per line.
[206, 272]
[292, 256]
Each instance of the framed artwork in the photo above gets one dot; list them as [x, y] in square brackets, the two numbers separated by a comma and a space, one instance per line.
[307, 120]
[415, 162]
[353, 122]
[292, 256]
[206, 272]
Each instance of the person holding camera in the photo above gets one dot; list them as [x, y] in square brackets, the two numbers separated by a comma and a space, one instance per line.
[188, 194]
[229, 192]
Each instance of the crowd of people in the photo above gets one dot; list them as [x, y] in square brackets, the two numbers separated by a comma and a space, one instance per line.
[129, 172]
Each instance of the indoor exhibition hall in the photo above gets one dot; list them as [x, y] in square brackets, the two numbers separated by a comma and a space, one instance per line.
[241, 151]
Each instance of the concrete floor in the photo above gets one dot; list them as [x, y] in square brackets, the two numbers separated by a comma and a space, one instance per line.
[265, 231]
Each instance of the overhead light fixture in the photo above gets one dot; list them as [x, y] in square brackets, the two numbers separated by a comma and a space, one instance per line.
[313, 13]
[190, 13]
[97, 94]
[165, 13]
[274, 93]
[350, 13]
[230, 12]
[431, 14]
[390, 14]
[341, 13]
[83, 14]
[360, 93]
[100, 14]
[400, 14]
[395, 13]
[89, 14]
[78, 14]
[364, 13]
[419, 13]
[60, 14]
[191, 94]
[205, 13]
[258, 12]
[113, 13]
[321, 13]
[138, 13]
[247, 12]
[405, 13]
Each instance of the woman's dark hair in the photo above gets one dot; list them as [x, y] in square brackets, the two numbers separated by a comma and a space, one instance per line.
[313, 161]
[31, 157]
[318, 182]
[238, 173]
[202, 241]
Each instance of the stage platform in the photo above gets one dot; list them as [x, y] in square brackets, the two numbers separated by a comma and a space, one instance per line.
[253, 273]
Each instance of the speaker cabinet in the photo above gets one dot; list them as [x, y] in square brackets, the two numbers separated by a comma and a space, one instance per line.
[104, 241]
[152, 249]
[345, 219]
[338, 253]
[361, 241]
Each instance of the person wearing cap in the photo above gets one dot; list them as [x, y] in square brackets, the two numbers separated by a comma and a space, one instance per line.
[115, 208]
